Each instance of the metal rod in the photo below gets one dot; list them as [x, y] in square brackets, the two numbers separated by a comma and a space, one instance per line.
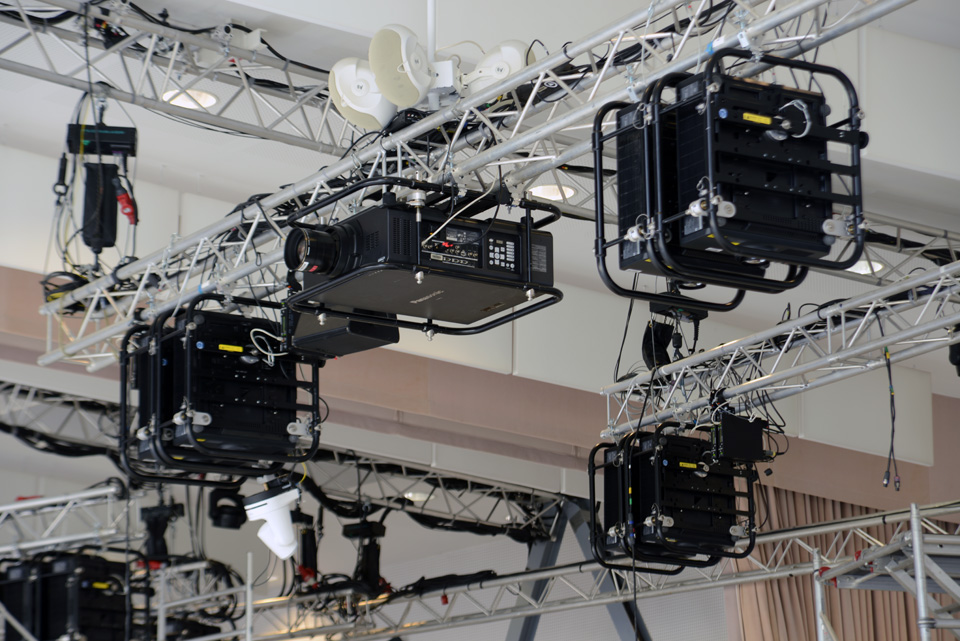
[818, 597]
[924, 620]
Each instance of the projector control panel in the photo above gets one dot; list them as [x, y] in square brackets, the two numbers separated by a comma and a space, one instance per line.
[502, 253]
[455, 246]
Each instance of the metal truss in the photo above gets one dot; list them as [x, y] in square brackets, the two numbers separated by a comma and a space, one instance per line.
[61, 416]
[531, 124]
[98, 516]
[803, 551]
[141, 62]
[444, 498]
[921, 560]
[899, 321]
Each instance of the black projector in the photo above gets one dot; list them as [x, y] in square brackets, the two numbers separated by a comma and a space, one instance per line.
[387, 261]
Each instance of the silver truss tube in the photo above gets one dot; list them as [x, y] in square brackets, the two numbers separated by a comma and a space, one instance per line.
[166, 107]
[910, 225]
[858, 19]
[576, 603]
[924, 621]
[55, 541]
[784, 328]
[871, 520]
[839, 375]
[869, 13]
[209, 287]
[583, 112]
[170, 33]
[34, 504]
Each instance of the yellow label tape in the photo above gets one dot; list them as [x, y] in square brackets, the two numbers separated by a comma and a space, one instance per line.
[690, 466]
[230, 348]
[763, 120]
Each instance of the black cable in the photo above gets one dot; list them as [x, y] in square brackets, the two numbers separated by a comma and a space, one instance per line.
[626, 327]
[891, 455]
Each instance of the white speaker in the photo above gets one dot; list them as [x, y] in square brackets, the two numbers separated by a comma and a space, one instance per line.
[400, 65]
[354, 91]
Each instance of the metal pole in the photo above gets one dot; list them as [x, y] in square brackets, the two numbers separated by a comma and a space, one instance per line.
[16, 625]
[248, 620]
[924, 620]
[819, 604]
[162, 608]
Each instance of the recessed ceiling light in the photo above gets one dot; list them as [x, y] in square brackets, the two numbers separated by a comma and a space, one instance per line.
[867, 267]
[553, 192]
[190, 98]
[418, 497]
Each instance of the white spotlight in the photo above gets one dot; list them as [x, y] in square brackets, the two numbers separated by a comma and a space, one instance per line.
[354, 92]
[400, 65]
[273, 506]
[504, 60]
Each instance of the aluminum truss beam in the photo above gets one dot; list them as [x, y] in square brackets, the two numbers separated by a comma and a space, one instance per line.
[98, 516]
[259, 94]
[62, 416]
[525, 143]
[342, 474]
[912, 317]
[796, 552]
[444, 497]
[917, 560]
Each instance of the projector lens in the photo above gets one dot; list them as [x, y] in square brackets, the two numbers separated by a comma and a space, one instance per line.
[310, 251]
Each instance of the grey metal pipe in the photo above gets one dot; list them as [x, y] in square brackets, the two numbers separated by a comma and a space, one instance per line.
[924, 621]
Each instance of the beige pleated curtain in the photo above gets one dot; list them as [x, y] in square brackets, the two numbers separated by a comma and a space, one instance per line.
[783, 610]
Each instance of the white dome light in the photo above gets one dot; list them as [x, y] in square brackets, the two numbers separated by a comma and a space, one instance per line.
[190, 98]
[553, 192]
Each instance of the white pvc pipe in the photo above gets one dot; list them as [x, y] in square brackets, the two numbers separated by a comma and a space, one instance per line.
[432, 30]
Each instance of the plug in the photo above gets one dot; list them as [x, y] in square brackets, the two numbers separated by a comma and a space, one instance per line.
[886, 478]
[896, 482]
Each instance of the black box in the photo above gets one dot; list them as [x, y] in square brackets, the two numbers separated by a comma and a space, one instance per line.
[20, 594]
[674, 481]
[739, 438]
[101, 140]
[83, 595]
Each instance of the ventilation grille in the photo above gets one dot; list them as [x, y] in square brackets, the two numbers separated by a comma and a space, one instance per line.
[402, 237]
[371, 241]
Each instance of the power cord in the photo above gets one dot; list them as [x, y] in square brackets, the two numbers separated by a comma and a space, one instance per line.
[891, 455]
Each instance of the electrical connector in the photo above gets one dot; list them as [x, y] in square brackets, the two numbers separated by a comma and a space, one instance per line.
[886, 478]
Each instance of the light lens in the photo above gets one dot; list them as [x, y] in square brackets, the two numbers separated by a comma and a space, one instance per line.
[190, 98]
[553, 192]
[867, 267]
[417, 497]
